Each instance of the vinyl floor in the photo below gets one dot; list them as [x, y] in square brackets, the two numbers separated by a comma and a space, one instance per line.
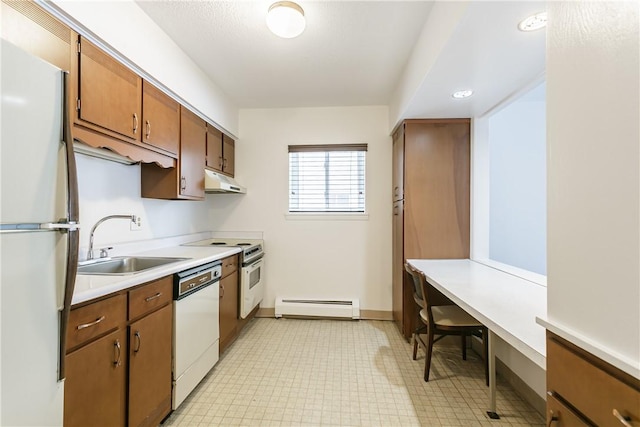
[293, 372]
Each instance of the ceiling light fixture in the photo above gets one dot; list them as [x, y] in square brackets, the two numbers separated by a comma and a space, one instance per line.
[533, 22]
[286, 19]
[461, 94]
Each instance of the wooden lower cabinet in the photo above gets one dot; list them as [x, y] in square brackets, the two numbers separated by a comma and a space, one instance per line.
[119, 359]
[150, 368]
[228, 309]
[229, 302]
[96, 381]
[597, 392]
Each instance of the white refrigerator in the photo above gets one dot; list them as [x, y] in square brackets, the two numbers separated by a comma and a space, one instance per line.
[38, 238]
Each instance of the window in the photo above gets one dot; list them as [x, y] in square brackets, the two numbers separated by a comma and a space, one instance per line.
[327, 178]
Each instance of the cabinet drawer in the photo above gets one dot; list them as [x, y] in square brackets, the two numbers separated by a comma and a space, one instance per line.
[93, 320]
[150, 297]
[559, 415]
[229, 265]
[587, 387]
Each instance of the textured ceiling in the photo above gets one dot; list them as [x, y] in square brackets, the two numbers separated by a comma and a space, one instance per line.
[351, 53]
[354, 52]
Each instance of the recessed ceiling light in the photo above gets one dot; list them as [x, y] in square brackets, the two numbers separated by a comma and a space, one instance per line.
[286, 19]
[533, 22]
[461, 94]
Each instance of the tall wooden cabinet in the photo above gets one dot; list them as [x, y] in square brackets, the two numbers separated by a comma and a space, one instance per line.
[229, 302]
[431, 200]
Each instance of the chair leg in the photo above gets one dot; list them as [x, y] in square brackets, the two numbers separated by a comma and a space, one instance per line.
[464, 346]
[415, 344]
[429, 350]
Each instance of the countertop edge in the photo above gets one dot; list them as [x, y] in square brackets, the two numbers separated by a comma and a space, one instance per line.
[89, 287]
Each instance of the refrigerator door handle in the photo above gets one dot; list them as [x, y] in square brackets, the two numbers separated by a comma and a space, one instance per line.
[63, 226]
[73, 233]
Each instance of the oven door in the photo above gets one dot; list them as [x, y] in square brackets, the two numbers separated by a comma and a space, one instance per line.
[251, 287]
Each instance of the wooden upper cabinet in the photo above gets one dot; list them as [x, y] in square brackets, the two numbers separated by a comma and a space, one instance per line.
[160, 119]
[214, 148]
[228, 154]
[398, 163]
[110, 95]
[193, 141]
[29, 27]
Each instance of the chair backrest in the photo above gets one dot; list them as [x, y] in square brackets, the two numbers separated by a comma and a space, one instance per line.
[430, 295]
[417, 288]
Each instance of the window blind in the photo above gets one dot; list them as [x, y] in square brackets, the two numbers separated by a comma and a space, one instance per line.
[327, 178]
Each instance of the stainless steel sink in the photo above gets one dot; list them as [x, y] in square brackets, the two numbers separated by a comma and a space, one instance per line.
[120, 266]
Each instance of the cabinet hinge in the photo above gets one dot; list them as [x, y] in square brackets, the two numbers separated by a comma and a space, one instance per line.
[78, 47]
[78, 104]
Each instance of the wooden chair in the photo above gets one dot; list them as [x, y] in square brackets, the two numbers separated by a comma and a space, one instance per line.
[421, 328]
[442, 318]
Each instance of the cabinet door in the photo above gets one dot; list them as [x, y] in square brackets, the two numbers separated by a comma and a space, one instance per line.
[161, 119]
[150, 368]
[398, 263]
[398, 164]
[193, 137]
[110, 94]
[94, 391]
[214, 148]
[228, 309]
[436, 189]
[229, 154]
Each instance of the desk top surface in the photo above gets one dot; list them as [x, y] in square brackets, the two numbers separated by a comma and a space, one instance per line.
[508, 305]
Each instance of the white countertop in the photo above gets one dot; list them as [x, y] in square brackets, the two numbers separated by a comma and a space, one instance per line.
[506, 304]
[89, 287]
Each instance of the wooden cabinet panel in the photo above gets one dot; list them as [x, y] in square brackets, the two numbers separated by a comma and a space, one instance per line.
[228, 309]
[590, 385]
[150, 297]
[95, 383]
[161, 119]
[110, 94]
[150, 368]
[398, 263]
[93, 320]
[29, 27]
[214, 148]
[193, 137]
[436, 190]
[229, 155]
[431, 175]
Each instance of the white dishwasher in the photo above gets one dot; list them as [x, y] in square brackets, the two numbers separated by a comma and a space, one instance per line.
[196, 327]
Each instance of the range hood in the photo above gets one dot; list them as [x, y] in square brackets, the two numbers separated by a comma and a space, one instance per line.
[217, 183]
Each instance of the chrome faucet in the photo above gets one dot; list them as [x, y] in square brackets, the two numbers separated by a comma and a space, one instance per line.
[132, 218]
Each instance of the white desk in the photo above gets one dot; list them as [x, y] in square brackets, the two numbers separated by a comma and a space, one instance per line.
[506, 304]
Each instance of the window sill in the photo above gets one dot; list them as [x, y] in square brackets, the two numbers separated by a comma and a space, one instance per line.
[536, 278]
[326, 216]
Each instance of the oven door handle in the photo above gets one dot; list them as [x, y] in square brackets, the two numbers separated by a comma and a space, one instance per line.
[252, 263]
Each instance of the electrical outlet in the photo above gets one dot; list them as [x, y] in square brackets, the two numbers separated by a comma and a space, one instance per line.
[136, 226]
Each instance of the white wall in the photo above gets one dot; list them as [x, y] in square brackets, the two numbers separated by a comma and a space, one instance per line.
[124, 27]
[108, 188]
[593, 160]
[518, 197]
[442, 20]
[332, 258]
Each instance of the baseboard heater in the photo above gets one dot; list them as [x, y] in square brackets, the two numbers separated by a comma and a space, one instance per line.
[317, 308]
